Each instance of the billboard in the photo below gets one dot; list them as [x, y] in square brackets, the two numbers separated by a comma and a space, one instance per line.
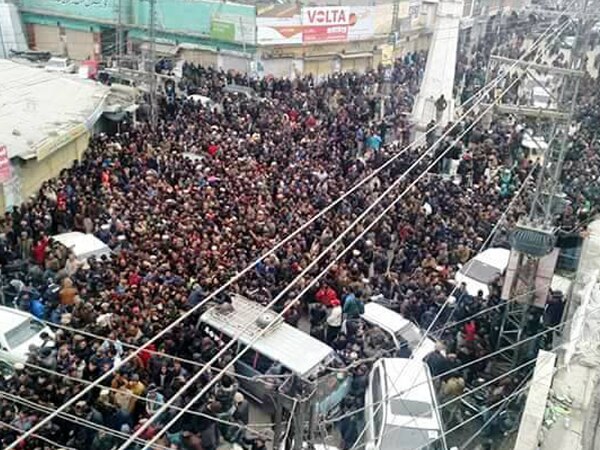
[319, 24]
[279, 30]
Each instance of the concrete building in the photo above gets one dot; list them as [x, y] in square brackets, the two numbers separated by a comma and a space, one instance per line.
[46, 123]
[11, 32]
[266, 39]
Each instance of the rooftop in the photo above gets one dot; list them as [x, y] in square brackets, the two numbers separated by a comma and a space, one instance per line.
[38, 106]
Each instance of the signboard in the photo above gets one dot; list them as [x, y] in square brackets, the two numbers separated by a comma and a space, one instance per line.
[319, 24]
[326, 24]
[222, 31]
[90, 9]
[5, 172]
[414, 9]
[279, 30]
[387, 55]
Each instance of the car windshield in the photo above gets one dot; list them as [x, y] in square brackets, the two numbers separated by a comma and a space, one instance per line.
[403, 407]
[405, 438]
[410, 335]
[479, 271]
[23, 332]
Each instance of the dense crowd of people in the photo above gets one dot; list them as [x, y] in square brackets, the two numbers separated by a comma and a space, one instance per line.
[180, 226]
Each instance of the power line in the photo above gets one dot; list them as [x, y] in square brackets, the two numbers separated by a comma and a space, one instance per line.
[249, 427]
[315, 279]
[36, 436]
[496, 100]
[181, 318]
[238, 276]
[71, 419]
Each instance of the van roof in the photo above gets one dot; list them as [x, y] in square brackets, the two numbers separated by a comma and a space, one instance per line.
[296, 350]
[10, 318]
[83, 245]
[411, 398]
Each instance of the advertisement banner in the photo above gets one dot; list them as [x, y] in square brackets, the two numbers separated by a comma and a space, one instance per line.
[279, 30]
[337, 23]
[387, 55]
[326, 23]
[5, 172]
[222, 31]
[319, 24]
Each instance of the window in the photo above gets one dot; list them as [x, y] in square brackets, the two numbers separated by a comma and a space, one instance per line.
[403, 407]
[23, 332]
[256, 360]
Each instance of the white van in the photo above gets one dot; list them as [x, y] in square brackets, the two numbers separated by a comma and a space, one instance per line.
[489, 265]
[18, 331]
[481, 271]
[282, 347]
[402, 331]
[408, 417]
[84, 246]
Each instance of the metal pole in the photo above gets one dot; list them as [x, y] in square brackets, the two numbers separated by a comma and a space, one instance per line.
[119, 35]
[153, 84]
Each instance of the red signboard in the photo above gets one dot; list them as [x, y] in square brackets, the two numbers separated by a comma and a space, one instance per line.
[326, 23]
[4, 165]
[325, 34]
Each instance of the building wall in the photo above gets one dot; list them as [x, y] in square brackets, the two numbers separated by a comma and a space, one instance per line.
[34, 172]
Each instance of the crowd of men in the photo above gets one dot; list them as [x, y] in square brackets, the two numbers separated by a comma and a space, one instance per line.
[181, 226]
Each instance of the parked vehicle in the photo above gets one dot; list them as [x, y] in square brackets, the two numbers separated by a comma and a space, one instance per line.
[409, 416]
[481, 271]
[403, 332]
[19, 332]
[284, 349]
[63, 65]
[490, 265]
[84, 246]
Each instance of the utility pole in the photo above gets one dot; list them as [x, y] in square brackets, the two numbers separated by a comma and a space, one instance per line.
[119, 34]
[152, 66]
[533, 254]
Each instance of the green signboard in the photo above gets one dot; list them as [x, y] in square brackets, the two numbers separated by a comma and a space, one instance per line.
[222, 31]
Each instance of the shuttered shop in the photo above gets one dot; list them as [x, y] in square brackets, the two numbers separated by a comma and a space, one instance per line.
[357, 63]
[202, 57]
[80, 44]
[47, 38]
[318, 66]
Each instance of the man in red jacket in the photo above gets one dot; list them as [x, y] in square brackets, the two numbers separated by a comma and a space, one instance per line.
[326, 295]
[39, 251]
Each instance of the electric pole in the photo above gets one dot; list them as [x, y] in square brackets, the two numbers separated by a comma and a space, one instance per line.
[152, 67]
[119, 34]
[533, 254]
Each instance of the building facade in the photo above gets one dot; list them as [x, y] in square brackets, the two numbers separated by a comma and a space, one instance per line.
[274, 39]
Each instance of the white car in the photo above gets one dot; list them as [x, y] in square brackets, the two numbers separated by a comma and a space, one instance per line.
[401, 330]
[481, 271]
[18, 331]
[84, 246]
[401, 409]
[63, 65]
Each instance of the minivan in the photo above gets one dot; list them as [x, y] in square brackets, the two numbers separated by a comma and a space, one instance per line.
[83, 245]
[282, 350]
[401, 408]
[18, 332]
